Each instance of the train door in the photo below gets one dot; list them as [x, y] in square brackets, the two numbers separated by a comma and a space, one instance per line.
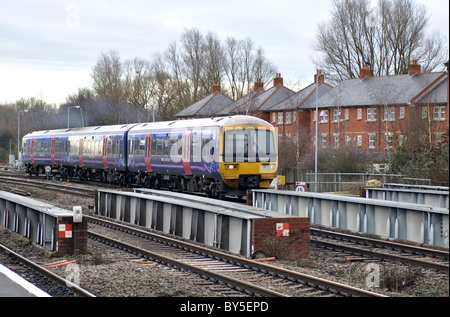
[104, 151]
[32, 151]
[148, 151]
[52, 150]
[187, 152]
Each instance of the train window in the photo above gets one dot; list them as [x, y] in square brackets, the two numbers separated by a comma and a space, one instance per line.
[153, 146]
[141, 147]
[159, 146]
[166, 148]
[195, 147]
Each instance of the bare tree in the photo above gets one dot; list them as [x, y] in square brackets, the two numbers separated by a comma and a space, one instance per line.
[107, 83]
[387, 37]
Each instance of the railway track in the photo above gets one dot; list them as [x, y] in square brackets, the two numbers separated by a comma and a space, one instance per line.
[237, 273]
[363, 249]
[369, 248]
[52, 284]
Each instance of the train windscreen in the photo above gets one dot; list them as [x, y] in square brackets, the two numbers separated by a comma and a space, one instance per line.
[249, 145]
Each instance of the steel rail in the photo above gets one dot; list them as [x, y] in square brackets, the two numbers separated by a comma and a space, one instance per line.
[73, 287]
[382, 255]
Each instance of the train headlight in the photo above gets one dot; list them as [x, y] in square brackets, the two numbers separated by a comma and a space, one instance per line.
[232, 166]
[267, 168]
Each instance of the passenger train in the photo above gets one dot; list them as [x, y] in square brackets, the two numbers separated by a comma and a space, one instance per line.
[215, 156]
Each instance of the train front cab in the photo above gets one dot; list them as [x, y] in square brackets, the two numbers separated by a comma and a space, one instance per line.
[249, 157]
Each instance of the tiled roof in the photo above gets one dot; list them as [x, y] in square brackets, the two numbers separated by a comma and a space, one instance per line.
[240, 104]
[373, 91]
[208, 106]
[258, 100]
[305, 95]
[436, 95]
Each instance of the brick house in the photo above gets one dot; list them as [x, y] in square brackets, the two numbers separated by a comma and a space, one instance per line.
[375, 113]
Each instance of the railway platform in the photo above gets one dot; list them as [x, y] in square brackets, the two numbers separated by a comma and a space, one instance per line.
[13, 285]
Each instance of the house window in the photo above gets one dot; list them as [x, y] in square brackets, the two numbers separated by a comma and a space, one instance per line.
[439, 113]
[371, 114]
[402, 113]
[273, 117]
[389, 140]
[389, 114]
[336, 115]
[371, 140]
[347, 139]
[359, 114]
[424, 112]
[336, 140]
[324, 140]
[323, 116]
[288, 117]
[280, 117]
[359, 140]
[294, 116]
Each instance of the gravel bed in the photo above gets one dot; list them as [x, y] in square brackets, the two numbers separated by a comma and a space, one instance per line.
[106, 273]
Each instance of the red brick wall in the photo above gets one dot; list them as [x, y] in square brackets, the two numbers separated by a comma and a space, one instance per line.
[292, 243]
[67, 233]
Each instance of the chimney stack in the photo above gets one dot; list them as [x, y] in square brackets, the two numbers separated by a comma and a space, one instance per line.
[414, 67]
[319, 75]
[278, 80]
[216, 87]
[258, 84]
[365, 72]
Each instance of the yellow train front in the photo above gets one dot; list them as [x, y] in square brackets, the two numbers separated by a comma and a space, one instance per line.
[248, 157]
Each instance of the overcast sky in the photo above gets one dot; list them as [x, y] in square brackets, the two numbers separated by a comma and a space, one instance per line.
[48, 47]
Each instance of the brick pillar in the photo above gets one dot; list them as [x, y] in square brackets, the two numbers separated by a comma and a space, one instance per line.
[67, 233]
[282, 237]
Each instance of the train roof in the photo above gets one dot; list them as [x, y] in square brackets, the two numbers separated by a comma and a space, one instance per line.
[136, 127]
[83, 130]
[200, 123]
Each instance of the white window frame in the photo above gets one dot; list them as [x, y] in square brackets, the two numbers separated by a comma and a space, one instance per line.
[359, 140]
[280, 117]
[401, 113]
[336, 140]
[323, 116]
[372, 140]
[371, 114]
[389, 140]
[389, 114]
[439, 113]
[324, 140]
[424, 112]
[288, 117]
[359, 114]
